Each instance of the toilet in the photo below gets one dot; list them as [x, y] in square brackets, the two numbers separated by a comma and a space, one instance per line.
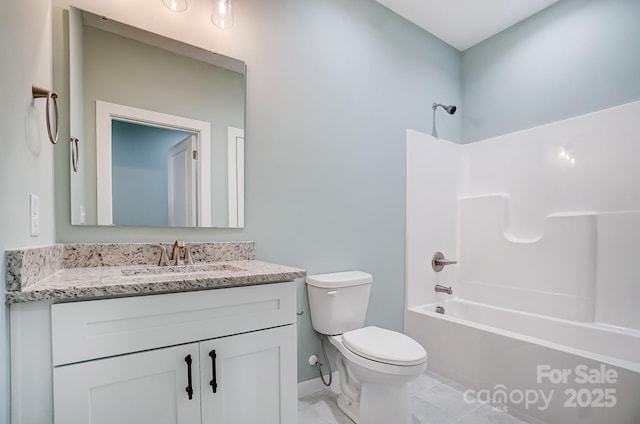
[375, 365]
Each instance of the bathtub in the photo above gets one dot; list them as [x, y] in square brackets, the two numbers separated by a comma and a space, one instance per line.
[552, 369]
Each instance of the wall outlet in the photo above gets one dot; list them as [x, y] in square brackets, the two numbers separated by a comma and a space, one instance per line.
[35, 215]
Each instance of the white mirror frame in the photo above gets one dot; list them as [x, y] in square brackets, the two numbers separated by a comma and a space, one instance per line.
[106, 112]
[235, 155]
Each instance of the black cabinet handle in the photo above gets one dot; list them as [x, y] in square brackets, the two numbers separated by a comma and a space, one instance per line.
[213, 382]
[190, 386]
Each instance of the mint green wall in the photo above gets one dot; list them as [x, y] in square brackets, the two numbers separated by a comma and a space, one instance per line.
[575, 57]
[332, 86]
[26, 156]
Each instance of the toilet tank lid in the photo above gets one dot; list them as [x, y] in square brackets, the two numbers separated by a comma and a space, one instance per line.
[339, 279]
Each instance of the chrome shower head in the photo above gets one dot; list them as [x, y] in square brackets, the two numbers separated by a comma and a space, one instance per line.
[451, 109]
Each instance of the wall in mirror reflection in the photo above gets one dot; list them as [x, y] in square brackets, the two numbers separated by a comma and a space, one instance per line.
[140, 164]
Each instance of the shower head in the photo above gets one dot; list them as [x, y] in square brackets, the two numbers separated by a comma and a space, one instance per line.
[451, 109]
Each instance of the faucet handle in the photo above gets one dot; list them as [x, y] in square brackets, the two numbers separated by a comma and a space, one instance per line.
[164, 259]
[188, 258]
[438, 262]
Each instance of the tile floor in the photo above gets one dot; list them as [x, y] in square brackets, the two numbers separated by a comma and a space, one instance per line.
[434, 399]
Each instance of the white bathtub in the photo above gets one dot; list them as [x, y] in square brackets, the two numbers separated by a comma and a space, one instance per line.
[589, 371]
[605, 343]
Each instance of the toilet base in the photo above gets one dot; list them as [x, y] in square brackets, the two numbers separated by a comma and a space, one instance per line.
[351, 409]
[380, 405]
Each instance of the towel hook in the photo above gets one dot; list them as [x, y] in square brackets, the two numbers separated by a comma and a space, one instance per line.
[39, 93]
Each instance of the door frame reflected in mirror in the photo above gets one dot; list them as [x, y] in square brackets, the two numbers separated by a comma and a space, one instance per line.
[107, 112]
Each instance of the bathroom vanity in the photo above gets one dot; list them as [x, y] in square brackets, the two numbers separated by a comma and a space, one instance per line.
[212, 342]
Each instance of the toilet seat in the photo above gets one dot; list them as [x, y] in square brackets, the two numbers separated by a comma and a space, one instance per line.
[385, 346]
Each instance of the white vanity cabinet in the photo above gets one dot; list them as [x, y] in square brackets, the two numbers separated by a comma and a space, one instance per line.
[253, 383]
[124, 360]
[146, 387]
[255, 378]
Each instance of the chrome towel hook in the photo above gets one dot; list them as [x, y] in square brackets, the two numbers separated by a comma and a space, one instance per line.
[39, 93]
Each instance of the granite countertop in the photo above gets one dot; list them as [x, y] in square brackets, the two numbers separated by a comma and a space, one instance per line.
[96, 282]
[72, 281]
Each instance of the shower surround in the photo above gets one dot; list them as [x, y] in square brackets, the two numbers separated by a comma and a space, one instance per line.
[545, 225]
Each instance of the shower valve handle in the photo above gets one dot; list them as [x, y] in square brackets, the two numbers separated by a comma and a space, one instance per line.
[438, 262]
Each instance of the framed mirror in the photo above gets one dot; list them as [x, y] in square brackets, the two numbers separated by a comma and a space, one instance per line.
[160, 125]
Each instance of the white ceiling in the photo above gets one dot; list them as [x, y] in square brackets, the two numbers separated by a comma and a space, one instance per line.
[463, 23]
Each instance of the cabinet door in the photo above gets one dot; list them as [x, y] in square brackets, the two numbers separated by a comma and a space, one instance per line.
[140, 388]
[255, 378]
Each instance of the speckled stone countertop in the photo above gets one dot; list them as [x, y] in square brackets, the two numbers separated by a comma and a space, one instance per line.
[90, 271]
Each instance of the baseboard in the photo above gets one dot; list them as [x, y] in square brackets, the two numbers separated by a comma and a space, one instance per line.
[306, 388]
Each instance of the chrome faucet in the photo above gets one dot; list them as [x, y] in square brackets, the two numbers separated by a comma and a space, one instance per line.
[176, 254]
[442, 289]
[177, 249]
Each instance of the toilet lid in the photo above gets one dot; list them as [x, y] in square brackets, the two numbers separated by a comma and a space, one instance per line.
[384, 346]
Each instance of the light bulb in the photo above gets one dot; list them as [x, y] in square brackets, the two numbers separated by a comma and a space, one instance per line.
[176, 5]
[222, 16]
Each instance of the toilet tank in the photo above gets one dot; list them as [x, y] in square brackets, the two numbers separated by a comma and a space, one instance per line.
[338, 301]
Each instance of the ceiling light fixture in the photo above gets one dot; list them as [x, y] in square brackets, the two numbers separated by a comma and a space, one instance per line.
[222, 16]
[175, 5]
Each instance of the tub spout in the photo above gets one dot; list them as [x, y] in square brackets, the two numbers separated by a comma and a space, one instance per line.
[442, 289]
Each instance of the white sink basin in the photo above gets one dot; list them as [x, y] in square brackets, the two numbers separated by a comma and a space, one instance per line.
[181, 269]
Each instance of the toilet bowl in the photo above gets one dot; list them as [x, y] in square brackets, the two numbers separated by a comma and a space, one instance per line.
[374, 374]
[375, 365]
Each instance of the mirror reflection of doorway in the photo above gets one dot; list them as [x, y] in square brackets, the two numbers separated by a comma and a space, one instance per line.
[141, 123]
[153, 175]
[182, 166]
